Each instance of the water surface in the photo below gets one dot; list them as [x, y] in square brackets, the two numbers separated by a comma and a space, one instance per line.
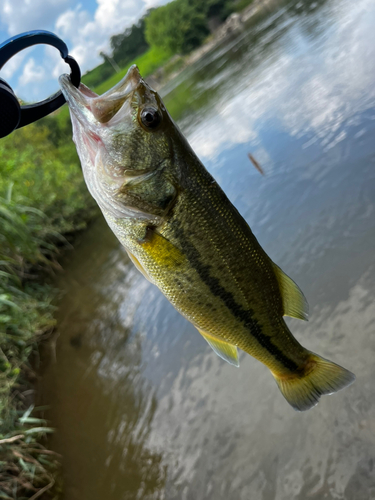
[143, 407]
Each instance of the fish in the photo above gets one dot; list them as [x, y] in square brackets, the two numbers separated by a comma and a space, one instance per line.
[184, 235]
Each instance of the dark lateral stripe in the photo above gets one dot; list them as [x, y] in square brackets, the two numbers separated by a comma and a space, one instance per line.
[245, 315]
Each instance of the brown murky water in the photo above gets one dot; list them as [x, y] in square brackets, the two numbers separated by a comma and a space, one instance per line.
[143, 407]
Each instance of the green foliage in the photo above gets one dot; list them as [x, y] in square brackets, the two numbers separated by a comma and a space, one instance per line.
[27, 470]
[130, 44]
[147, 63]
[218, 8]
[42, 197]
[98, 74]
[180, 26]
[125, 47]
[241, 4]
[175, 28]
[43, 167]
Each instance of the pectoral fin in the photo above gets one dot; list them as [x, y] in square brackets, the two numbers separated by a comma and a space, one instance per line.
[138, 266]
[163, 251]
[225, 351]
[294, 302]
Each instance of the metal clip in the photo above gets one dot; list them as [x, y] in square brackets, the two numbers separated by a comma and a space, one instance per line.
[12, 114]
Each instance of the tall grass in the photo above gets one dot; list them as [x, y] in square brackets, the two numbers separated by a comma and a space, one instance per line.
[42, 200]
[26, 314]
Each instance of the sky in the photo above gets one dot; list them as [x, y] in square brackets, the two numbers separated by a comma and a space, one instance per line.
[85, 26]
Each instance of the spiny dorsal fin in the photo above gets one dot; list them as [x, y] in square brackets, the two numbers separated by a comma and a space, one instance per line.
[294, 302]
[225, 351]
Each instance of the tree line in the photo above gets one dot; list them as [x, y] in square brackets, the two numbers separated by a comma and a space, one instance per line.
[179, 27]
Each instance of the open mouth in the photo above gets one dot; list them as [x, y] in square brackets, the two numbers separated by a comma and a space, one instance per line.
[88, 106]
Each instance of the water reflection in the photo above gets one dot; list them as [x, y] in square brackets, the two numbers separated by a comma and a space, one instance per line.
[106, 406]
[296, 88]
[144, 409]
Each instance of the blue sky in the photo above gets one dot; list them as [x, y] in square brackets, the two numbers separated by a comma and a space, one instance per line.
[85, 27]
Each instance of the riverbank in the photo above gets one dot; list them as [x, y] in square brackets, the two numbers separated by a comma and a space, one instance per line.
[43, 202]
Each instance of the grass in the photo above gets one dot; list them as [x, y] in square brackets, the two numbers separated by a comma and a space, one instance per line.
[241, 4]
[147, 63]
[42, 200]
[98, 74]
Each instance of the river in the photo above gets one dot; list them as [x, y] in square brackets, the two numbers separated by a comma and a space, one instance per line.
[143, 408]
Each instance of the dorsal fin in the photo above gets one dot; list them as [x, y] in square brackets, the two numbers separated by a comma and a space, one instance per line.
[294, 302]
[225, 351]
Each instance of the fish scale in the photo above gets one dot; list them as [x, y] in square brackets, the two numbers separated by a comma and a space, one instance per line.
[185, 236]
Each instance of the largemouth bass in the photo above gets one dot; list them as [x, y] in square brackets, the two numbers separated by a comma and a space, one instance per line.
[184, 235]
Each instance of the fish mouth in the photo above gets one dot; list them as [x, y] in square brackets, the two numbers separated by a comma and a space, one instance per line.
[89, 107]
[94, 117]
[97, 122]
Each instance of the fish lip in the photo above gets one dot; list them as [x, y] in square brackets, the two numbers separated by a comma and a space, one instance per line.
[72, 94]
[83, 102]
[127, 84]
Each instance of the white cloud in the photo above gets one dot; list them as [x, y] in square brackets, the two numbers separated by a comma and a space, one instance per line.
[32, 72]
[24, 15]
[32, 75]
[12, 65]
[85, 33]
[71, 23]
[89, 35]
[223, 129]
[113, 15]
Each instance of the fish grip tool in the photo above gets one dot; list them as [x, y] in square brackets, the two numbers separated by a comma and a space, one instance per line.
[12, 114]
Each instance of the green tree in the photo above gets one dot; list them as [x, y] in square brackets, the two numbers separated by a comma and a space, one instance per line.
[129, 44]
[179, 26]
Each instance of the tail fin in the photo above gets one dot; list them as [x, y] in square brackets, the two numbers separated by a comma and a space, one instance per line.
[320, 377]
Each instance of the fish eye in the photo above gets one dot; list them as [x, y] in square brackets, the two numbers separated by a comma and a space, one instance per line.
[150, 117]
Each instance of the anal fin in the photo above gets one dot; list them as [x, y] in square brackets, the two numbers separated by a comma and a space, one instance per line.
[294, 302]
[227, 352]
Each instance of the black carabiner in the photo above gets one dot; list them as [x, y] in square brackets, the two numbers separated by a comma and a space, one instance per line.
[12, 115]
